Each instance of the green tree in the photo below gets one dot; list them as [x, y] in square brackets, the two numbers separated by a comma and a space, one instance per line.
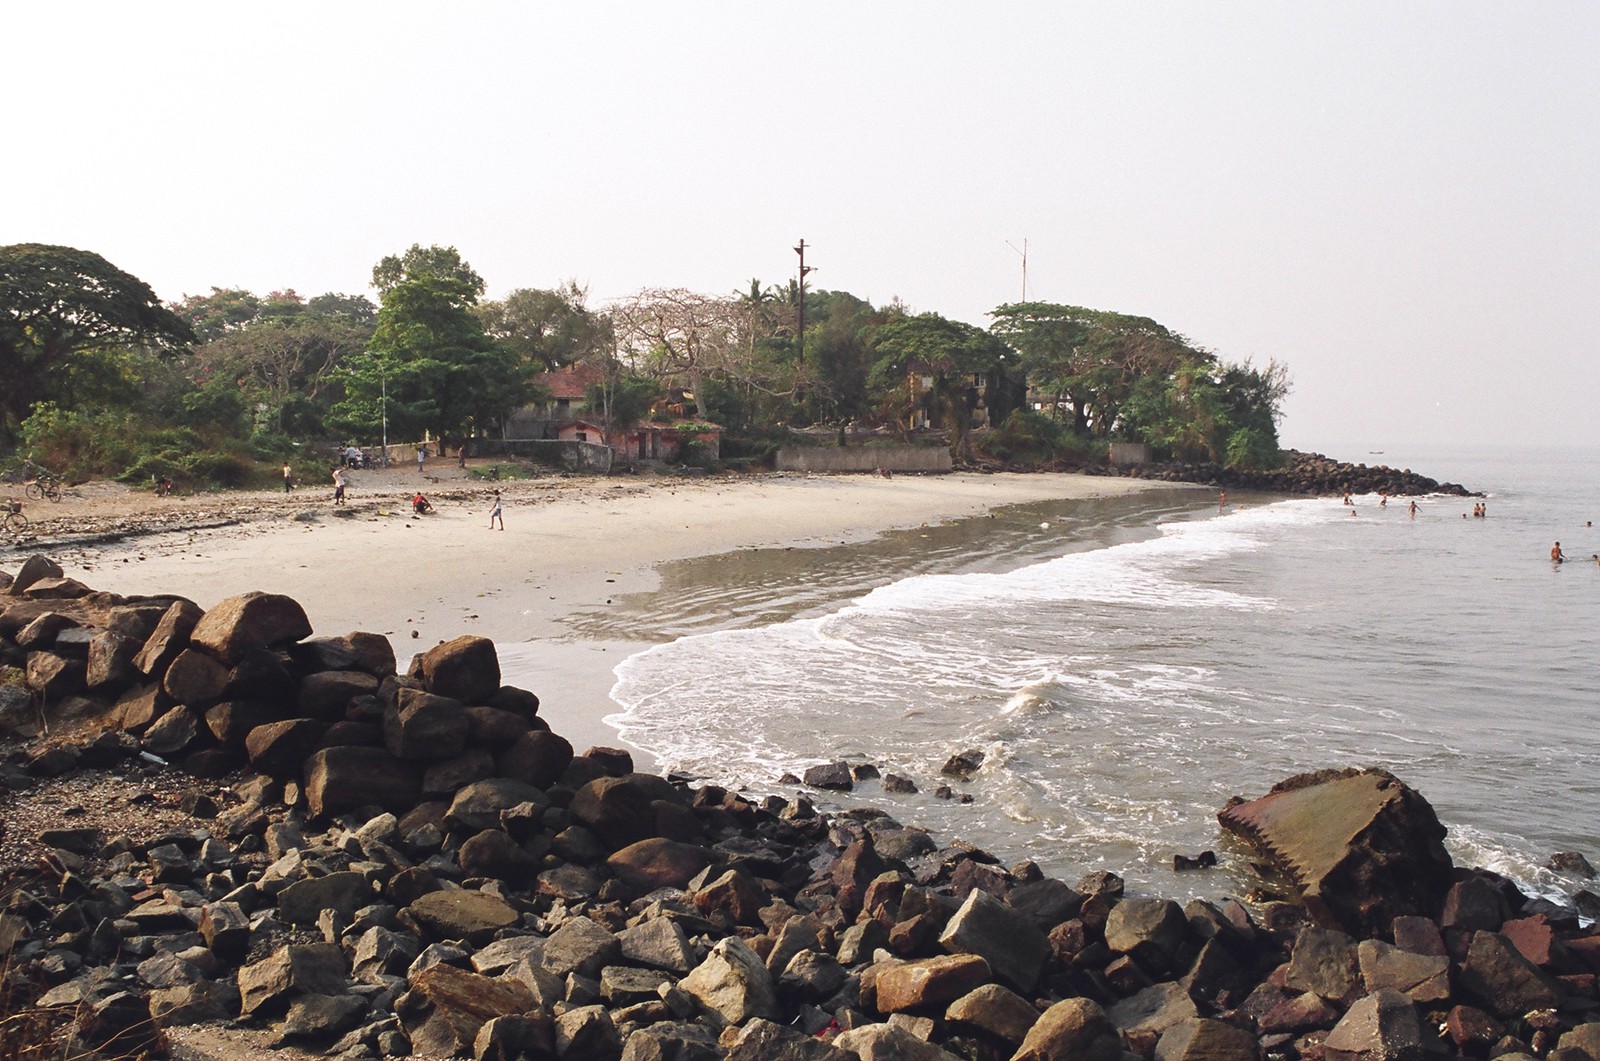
[430, 366]
[444, 263]
[212, 316]
[548, 329]
[955, 359]
[1089, 361]
[60, 303]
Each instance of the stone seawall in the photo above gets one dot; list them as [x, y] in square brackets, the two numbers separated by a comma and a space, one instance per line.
[923, 459]
[1310, 474]
[377, 864]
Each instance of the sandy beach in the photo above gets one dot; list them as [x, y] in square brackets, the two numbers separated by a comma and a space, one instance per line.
[570, 544]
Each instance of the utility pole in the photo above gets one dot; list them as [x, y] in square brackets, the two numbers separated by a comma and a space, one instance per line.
[804, 269]
[1024, 252]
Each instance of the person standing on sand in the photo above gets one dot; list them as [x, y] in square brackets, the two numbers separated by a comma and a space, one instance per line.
[288, 477]
[494, 513]
[422, 455]
[338, 486]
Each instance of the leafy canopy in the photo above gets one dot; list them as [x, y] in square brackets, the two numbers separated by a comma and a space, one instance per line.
[60, 303]
[430, 366]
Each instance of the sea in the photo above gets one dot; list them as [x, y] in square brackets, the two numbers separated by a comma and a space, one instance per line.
[1126, 666]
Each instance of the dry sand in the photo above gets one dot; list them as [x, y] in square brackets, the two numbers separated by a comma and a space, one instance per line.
[570, 544]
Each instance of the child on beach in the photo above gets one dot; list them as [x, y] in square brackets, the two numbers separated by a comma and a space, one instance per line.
[338, 486]
[494, 513]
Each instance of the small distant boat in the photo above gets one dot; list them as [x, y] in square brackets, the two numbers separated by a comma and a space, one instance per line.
[1378, 452]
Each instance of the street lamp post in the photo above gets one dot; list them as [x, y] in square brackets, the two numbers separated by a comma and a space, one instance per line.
[383, 410]
[804, 269]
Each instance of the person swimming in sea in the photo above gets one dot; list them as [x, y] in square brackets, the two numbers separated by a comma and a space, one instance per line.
[1556, 555]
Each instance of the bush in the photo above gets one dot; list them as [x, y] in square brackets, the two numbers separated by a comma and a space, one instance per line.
[1030, 439]
[1252, 449]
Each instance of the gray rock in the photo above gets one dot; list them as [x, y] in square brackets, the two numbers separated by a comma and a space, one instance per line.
[885, 1042]
[1324, 961]
[1382, 1026]
[1205, 1039]
[267, 986]
[733, 983]
[201, 1002]
[624, 985]
[321, 1017]
[1421, 977]
[587, 1034]
[673, 1041]
[425, 727]
[461, 914]
[343, 892]
[764, 1040]
[835, 776]
[997, 1010]
[1149, 930]
[659, 943]
[1013, 946]
[1505, 982]
[580, 946]
[1076, 1028]
[1155, 1009]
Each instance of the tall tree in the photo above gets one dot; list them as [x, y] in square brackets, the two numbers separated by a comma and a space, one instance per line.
[431, 366]
[672, 333]
[549, 329]
[956, 359]
[1088, 360]
[444, 263]
[58, 302]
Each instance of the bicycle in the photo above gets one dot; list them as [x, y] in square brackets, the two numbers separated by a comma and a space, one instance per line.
[43, 488]
[12, 521]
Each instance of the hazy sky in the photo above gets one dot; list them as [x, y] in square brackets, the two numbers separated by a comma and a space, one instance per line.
[1396, 199]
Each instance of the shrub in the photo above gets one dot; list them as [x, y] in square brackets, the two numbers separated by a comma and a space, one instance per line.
[1252, 449]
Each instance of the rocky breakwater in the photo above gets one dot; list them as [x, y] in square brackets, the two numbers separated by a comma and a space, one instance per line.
[375, 864]
[1310, 474]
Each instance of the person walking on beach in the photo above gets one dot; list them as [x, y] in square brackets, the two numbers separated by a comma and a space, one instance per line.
[1556, 555]
[422, 455]
[288, 477]
[494, 513]
[338, 486]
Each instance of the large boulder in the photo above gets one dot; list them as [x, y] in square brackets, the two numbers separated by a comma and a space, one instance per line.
[1361, 847]
[1077, 1029]
[1383, 1026]
[170, 637]
[465, 668]
[929, 981]
[347, 777]
[1014, 947]
[251, 620]
[658, 863]
[424, 726]
[734, 983]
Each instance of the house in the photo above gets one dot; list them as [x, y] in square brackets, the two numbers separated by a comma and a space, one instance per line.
[566, 388]
[646, 441]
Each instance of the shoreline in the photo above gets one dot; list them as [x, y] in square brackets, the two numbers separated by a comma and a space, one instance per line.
[571, 546]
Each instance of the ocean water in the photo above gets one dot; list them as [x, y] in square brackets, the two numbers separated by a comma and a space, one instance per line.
[1127, 666]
